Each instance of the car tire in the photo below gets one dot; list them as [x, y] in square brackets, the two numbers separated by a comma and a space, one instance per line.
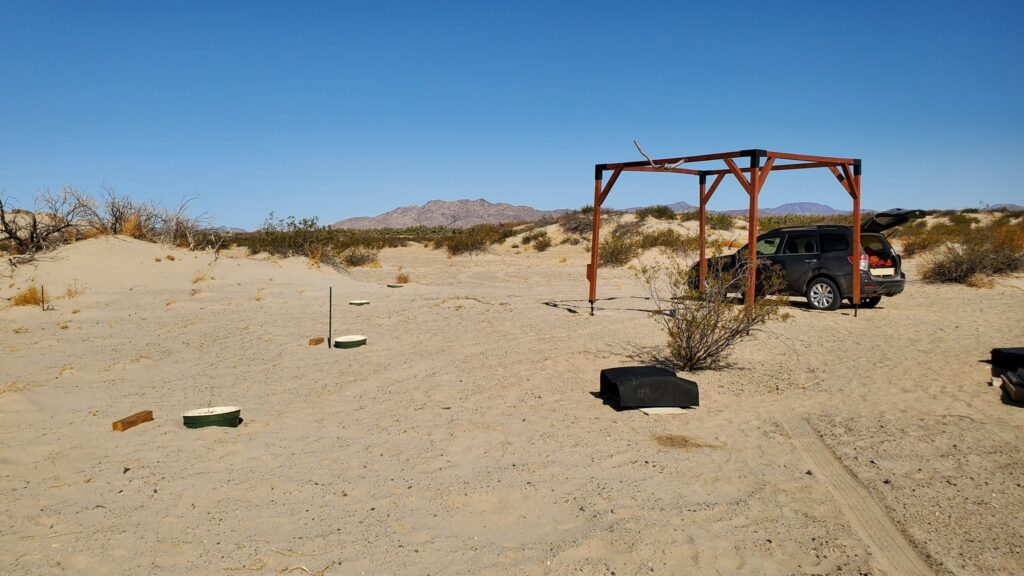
[870, 302]
[822, 294]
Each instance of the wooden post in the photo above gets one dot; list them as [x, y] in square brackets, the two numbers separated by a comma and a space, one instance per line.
[702, 279]
[594, 239]
[855, 192]
[755, 187]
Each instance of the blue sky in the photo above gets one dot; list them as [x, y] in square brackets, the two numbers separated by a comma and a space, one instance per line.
[340, 109]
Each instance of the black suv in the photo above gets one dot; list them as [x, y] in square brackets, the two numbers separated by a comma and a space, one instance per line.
[816, 261]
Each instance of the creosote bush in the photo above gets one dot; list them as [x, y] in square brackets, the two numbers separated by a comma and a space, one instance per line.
[719, 221]
[357, 256]
[660, 212]
[542, 243]
[987, 250]
[703, 327]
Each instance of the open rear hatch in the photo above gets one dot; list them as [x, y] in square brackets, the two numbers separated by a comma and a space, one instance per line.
[887, 219]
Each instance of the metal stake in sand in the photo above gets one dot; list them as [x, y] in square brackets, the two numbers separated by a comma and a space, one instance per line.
[330, 315]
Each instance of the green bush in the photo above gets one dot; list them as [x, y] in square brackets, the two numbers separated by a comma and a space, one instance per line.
[542, 243]
[666, 238]
[615, 250]
[986, 250]
[659, 212]
[719, 221]
[529, 237]
[476, 238]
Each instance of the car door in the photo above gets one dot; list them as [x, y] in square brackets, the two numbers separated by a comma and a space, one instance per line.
[798, 259]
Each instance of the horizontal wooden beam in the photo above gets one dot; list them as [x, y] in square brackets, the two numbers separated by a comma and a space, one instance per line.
[677, 159]
[809, 158]
[670, 170]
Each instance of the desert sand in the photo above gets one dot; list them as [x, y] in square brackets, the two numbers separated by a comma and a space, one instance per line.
[465, 437]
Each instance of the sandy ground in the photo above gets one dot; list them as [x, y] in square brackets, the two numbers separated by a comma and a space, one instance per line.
[465, 439]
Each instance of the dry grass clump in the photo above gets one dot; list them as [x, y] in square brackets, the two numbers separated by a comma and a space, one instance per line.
[659, 212]
[401, 277]
[200, 278]
[986, 251]
[170, 258]
[30, 296]
[19, 330]
[702, 328]
[72, 291]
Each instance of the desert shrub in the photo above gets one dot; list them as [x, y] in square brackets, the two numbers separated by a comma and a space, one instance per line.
[30, 296]
[970, 211]
[529, 237]
[53, 220]
[961, 219]
[616, 250]
[572, 240]
[401, 277]
[476, 238]
[771, 222]
[542, 243]
[357, 256]
[659, 212]
[628, 229]
[703, 327]
[689, 215]
[987, 250]
[719, 221]
[577, 221]
[666, 238]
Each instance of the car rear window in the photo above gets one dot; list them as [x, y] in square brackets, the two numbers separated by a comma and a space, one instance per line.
[831, 242]
[873, 243]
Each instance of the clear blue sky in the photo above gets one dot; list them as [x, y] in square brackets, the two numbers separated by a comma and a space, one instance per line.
[339, 109]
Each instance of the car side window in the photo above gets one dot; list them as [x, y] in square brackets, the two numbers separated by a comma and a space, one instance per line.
[834, 243]
[768, 246]
[801, 243]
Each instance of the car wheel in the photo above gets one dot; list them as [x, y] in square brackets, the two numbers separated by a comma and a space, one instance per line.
[870, 302]
[822, 294]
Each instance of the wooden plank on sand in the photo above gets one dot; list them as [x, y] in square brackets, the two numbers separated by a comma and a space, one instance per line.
[133, 420]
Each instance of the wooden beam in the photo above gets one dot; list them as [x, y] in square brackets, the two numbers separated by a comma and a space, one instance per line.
[607, 188]
[810, 158]
[764, 172]
[714, 186]
[675, 160]
[738, 174]
[851, 188]
[670, 170]
[799, 166]
[133, 420]
[842, 180]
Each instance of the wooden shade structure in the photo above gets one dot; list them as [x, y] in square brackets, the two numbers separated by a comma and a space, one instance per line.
[751, 179]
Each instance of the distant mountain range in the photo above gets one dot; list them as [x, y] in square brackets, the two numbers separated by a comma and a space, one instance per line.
[1003, 207]
[803, 208]
[456, 214]
[462, 213]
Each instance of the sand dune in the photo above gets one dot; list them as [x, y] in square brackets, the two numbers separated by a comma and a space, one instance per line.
[464, 439]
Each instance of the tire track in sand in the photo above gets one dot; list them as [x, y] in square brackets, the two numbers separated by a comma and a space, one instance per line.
[893, 553]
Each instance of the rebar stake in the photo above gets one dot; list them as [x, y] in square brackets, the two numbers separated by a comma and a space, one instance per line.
[330, 314]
